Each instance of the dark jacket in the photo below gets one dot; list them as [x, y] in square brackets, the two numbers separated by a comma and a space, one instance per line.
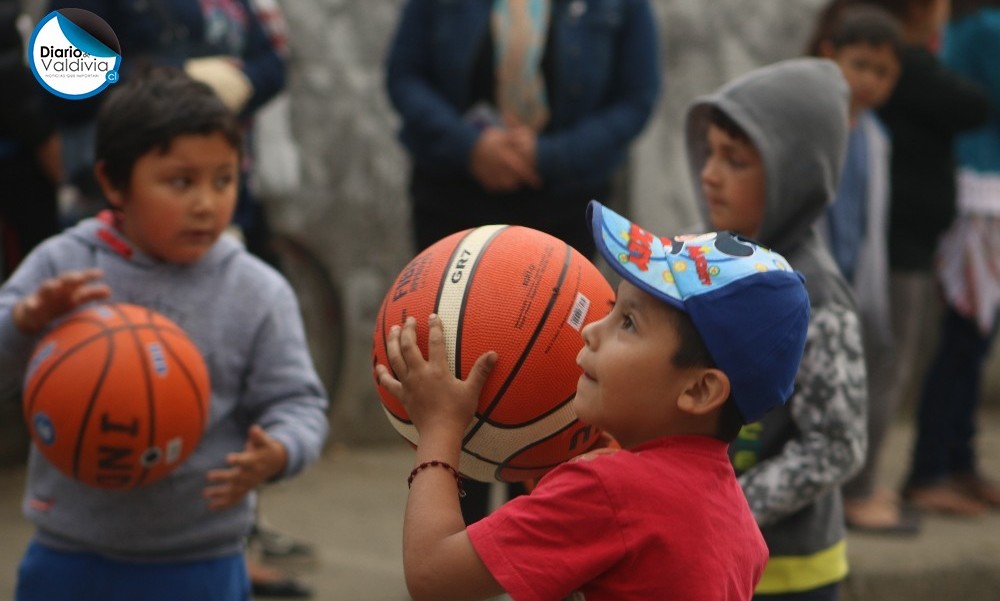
[928, 107]
[603, 55]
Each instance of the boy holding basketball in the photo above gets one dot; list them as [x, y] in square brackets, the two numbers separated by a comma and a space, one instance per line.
[168, 160]
[705, 335]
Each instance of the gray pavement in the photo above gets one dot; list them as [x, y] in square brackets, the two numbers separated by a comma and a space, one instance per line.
[350, 505]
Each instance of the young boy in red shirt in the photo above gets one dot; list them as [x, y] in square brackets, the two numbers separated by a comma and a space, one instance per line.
[706, 334]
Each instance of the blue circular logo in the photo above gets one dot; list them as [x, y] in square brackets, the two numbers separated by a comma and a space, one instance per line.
[45, 432]
[74, 54]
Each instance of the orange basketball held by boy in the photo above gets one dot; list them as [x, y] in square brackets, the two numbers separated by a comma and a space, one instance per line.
[526, 295]
[116, 396]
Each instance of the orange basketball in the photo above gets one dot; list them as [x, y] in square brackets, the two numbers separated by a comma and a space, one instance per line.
[116, 396]
[526, 295]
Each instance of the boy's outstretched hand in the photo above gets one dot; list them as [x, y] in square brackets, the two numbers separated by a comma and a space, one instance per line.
[435, 400]
[56, 297]
[262, 458]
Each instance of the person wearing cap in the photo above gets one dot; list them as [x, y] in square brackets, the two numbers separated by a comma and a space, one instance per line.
[765, 153]
[706, 334]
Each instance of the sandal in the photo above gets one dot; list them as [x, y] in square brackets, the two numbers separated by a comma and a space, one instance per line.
[881, 514]
[979, 488]
[944, 498]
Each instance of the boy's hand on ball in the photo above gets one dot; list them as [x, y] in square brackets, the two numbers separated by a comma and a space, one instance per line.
[262, 458]
[434, 398]
[58, 296]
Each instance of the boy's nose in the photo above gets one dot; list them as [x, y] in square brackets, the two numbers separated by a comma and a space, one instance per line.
[204, 200]
[708, 170]
[588, 333]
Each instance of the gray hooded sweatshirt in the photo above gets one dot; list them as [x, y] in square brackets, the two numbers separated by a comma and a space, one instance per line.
[791, 463]
[244, 318]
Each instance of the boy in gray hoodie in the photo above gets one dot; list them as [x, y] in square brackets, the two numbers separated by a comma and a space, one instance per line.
[765, 153]
[168, 162]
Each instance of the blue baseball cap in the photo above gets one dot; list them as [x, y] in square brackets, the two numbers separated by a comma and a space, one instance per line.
[749, 306]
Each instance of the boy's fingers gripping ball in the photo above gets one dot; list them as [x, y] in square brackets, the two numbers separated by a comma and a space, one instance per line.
[116, 396]
[526, 295]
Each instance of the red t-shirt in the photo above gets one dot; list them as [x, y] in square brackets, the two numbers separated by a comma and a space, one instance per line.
[666, 520]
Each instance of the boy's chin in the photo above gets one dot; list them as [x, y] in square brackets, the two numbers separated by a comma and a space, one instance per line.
[581, 410]
[185, 257]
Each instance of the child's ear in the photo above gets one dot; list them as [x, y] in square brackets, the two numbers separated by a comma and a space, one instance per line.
[114, 196]
[707, 392]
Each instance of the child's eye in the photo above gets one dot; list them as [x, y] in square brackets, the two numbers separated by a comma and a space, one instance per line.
[735, 162]
[627, 323]
[180, 182]
[727, 156]
[881, 72]
[224, 181]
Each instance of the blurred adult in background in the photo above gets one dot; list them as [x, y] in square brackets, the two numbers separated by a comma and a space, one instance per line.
[945, 475]
[30, 164]
[518, 112]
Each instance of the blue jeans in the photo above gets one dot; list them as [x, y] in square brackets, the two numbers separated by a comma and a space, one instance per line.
[946, 417]
[46, 574]
[825, 593]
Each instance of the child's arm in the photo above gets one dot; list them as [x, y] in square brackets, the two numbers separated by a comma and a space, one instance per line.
[262, 458]
[56, 297]
[828, 408]
[282, 396]
[438, 557]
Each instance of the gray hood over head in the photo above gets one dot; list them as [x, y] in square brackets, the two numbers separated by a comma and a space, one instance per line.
[795, 113]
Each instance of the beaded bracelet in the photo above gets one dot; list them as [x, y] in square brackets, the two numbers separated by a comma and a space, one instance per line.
[436, 463]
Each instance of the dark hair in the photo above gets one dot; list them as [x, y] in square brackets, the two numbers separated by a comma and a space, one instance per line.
[859, 24]
[692, 352]
[827, 20]
[723, 121]
[150, 111]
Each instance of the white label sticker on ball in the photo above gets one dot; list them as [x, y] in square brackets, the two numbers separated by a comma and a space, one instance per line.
[581, 305]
